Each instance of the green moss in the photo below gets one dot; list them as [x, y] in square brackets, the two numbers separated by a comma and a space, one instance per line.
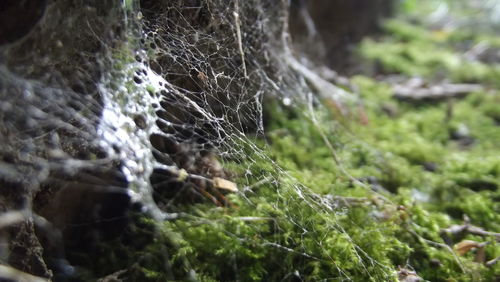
[368, 199]
[416, 50]
[282, 229]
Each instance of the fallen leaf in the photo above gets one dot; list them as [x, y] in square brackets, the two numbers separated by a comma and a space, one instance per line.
[223, 184]
[465, 246]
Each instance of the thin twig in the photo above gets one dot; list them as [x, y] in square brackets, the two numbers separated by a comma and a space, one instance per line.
[254, 218]
[325, 89]
[266, 180]
[12, 274]
[437, 244]
[10, 218]
[471, 229]
[492, 262]
[113, 276]
[420, 92]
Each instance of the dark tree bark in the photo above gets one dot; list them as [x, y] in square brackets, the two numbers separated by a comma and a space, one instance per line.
[325, 30]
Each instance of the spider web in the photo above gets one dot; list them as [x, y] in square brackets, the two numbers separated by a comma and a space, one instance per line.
[136, 101]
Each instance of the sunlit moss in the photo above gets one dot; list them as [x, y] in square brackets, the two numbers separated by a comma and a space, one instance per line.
[417, 51]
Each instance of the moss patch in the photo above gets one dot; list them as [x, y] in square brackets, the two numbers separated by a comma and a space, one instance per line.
[323, 199]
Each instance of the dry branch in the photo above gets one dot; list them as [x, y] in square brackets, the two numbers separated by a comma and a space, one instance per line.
[471, 229]
[417, 92]
[8, 273]
[492, 262]
[324, 88]
[10, 218]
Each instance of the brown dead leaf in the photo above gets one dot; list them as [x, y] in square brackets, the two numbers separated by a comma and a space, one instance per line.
[223, 184]
[465, 246]
[203, 78]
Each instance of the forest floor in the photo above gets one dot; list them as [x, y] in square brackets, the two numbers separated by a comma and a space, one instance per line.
[403, 186]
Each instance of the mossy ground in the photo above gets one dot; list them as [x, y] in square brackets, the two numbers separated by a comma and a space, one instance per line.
[349, 198]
